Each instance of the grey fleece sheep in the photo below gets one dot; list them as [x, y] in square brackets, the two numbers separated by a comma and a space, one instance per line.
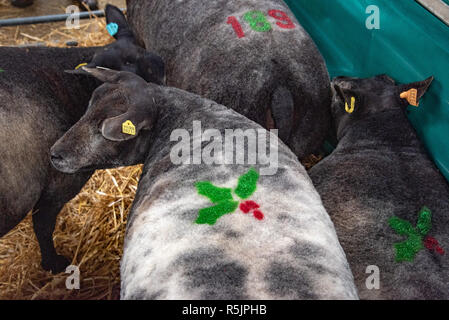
[188, 235]
[375, 185]
[252, 56]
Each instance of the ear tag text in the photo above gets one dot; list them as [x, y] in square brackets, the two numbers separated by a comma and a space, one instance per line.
[411, 96]
[128, 128]
[80, 65]
[350, 110]
[112, 28]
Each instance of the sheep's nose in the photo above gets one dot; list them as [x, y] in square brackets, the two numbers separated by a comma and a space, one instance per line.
[56, 157]
[61, 161]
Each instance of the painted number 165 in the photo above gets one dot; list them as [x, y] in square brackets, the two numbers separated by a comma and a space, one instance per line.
[258, 21]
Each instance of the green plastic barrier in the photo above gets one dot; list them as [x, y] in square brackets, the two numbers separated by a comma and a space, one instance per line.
[411, 45]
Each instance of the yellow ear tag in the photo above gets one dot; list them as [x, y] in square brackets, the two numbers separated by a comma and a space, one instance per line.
[411, 96]
[350, 110]
[128, 128]
[80, 65]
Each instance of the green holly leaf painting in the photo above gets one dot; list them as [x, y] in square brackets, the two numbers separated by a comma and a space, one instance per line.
[402, 227]
[212, 214]
[407, 250]
[215, 194]
[247, 184]
[222, 197]
[424, 221]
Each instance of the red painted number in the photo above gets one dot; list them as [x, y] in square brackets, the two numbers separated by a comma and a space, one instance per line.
[281, 15]
[284, 21]
[236, 25]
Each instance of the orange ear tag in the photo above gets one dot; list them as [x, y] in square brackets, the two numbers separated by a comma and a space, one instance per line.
[411, 97]
[80, 65]
[350, 110]
[128, 128]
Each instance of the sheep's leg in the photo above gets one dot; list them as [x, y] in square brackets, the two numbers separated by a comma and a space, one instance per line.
[61, 189]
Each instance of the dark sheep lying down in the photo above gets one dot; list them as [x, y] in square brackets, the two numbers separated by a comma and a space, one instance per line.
[39, 102]
[252, 56]
[375, 186]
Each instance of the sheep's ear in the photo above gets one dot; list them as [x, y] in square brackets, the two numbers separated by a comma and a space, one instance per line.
[125, 127]
[152, 68]
[117, 25]
[387, 78]
[413, 92]
[111, 76]
[352, 98]
[77, 71]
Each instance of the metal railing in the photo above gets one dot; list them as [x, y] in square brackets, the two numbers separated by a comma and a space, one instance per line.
[438, 8]
[49, 18]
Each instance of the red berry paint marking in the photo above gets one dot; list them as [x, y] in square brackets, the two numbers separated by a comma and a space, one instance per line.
[258, 214]
[247, 206]
[244, 208]
[285, 22]
[252, 205]
[432, 244]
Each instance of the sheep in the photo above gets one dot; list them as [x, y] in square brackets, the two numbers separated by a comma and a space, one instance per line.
[39, 102]
[252, 56]
[188, 235]
[387, 199]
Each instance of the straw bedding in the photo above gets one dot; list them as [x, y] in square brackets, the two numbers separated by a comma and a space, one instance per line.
[91, 227]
